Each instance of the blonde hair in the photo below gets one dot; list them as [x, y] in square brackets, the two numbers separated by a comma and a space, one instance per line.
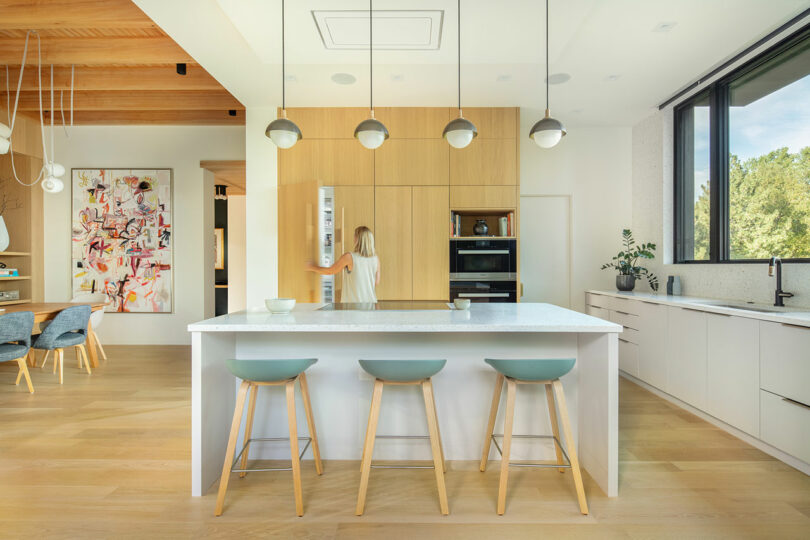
[364, 241]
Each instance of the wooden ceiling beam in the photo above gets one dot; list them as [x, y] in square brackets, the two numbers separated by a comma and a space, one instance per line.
[52, 14]
[152, 118]
[114, 78]
[160, 100]
[95, 51]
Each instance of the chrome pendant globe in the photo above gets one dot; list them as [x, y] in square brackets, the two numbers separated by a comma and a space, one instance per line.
[547, 132]
[460, 132]
[371, 133]
[283, 132]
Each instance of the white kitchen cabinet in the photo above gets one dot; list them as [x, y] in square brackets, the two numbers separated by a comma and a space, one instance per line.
[599, 312]
[628, 356]
[785, 360]
[785, 424]
[733, 371]
[686, 357]
[653, 333]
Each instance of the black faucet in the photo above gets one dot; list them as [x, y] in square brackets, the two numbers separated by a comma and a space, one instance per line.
[779, 295]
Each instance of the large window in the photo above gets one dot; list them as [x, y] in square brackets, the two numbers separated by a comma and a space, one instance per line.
[742, 162]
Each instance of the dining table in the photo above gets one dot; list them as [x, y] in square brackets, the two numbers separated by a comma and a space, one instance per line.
[46, 311]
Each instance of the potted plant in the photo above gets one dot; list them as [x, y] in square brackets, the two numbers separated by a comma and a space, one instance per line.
[626, 262]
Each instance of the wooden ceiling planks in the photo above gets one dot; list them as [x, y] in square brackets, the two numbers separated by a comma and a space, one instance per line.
[230, 173]
[125, 65]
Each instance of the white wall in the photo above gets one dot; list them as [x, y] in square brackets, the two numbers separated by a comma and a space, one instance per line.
[593, 166]
[236, 253]
[653, 219]
[180, 148]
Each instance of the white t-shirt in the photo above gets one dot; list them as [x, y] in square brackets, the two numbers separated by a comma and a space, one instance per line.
[358, 284]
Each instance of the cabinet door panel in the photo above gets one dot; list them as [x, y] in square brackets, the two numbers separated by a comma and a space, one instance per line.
[785, 366]
[412, 162]
[686, 359]
[414, 122]
[733, 371]
[393, 236]
[297, 218]
[331, 162]
[653, 322]
[431, 266]
[492, 122]
[487, 162]
[500, 197]
[327, 122]
[628, 357]
[354, 206]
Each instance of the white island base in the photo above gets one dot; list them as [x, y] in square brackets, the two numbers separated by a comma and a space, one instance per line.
[341, 390]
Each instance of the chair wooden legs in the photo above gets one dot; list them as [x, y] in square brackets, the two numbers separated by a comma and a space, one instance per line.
[226, 467]
[509, 417]
[368, 447]
[316, 451]
[252, 391]
[24, 373]
[493, 414]
[435, 444]
[296, 463]
[81, 355]
[60, 354]
[555, 429]
[44, 359]
[97, 342]
[569, 443]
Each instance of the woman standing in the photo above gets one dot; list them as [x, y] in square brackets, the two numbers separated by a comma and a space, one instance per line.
[362, 269]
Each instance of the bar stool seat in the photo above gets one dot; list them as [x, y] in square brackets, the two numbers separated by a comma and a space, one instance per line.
[403, 372]
[532, 371]
[255, 373]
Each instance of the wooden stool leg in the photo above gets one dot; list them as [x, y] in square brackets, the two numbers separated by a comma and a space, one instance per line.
[569, 443]
[509, 417]
[368, 447]
[555, 429]
[493, 414]
[438, 430]
[24, 372]
[248, 426]
[226, 467]
[296, 463]
[435, 445]
[316, 451]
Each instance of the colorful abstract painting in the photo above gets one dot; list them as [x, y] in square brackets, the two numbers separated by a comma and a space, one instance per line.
[122, 237]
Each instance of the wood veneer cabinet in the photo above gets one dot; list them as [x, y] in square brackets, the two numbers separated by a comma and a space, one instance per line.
[483, 197]
[297, 241]
[431, 266]
[393, 232]
[414, 122]
[485, 162]
[412, 162]
[353, 207]
[332, 162]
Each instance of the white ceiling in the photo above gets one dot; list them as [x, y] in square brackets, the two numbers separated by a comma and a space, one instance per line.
[621, 65]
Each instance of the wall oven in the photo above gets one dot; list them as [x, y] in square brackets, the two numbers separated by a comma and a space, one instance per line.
[484, 291]
[483, 260]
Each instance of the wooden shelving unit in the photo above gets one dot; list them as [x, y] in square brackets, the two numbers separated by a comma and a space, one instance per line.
[468, 218]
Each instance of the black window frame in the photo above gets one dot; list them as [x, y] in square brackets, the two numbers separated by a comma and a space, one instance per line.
[718, 95]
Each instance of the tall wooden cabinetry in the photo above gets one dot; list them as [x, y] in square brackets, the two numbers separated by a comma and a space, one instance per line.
[404, 191]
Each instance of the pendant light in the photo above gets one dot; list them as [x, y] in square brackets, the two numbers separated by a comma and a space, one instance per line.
[53, 170]
[371, 132]
[283, 132]
[460, 132]
[548, 131]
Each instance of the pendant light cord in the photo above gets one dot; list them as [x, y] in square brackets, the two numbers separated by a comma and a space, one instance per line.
[371, 57]
[546, 54]
[283, 64]
[459, 57]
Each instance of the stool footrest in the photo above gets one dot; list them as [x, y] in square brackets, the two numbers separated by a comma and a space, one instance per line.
[566, 465]
[275, 439]
[402, 466]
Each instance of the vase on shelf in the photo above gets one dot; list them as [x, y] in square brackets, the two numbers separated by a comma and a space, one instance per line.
[4, 239]
[625, 282]
[480, 228]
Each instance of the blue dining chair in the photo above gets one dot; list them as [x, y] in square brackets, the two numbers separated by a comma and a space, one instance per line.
[67, 329]
[15, 341]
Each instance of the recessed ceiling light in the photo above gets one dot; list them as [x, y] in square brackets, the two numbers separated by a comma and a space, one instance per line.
[664, 26]
[344, 78]
[503, 78]
[558, 78]
[612, 78]
[397, 78]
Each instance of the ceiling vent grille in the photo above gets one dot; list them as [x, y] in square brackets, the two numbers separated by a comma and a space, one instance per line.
[393, 30]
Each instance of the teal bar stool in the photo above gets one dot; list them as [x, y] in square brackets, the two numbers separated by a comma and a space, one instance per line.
[403, 372]
[547, 372]
[256, 373]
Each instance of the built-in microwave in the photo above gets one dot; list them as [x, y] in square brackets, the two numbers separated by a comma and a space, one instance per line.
[483, 260]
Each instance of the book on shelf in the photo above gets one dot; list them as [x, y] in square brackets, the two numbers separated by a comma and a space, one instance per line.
[9, 272]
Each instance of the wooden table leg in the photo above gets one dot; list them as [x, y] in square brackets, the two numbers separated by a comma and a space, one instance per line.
[91, 346]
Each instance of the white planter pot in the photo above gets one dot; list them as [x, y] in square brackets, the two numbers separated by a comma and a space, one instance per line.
[4, 239]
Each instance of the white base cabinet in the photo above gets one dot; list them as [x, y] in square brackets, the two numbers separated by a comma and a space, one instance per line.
[786, 425]
[686, 356]
[653, 333]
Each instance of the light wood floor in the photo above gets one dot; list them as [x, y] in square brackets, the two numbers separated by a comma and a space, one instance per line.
[107, 456]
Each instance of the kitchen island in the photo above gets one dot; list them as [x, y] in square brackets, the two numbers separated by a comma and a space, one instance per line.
[341, 390]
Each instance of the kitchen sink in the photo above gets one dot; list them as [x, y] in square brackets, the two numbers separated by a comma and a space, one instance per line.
[748, 308]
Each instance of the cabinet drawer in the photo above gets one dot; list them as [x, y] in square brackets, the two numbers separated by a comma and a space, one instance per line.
[624, 305]
[628, 357]
[785, 425]
[631, 335]
[784, 362]
[625, 319]
[601, 313]
[597, 300]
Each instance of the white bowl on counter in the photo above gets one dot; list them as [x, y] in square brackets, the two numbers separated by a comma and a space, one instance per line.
[462, 303]
[280, 305]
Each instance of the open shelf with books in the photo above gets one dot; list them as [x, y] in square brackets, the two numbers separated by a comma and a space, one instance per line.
[500, 223]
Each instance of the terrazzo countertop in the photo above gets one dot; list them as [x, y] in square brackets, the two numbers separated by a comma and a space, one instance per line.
[786, 315]
[523, 317]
